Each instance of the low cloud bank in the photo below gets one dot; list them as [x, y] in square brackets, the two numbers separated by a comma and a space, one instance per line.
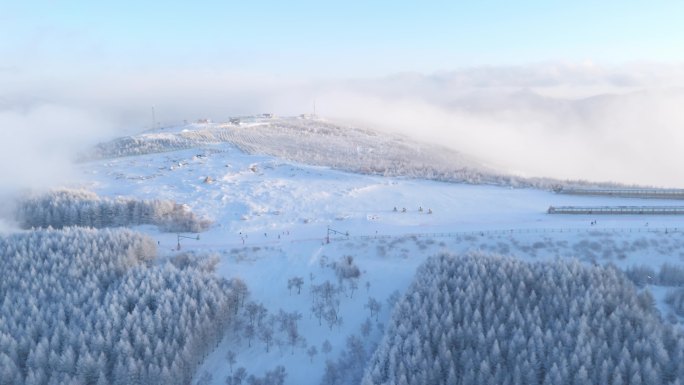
[575, 121]
[39, 143]
[569, 122]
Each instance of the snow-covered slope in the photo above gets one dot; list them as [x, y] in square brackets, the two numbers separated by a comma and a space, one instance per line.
[320, 142]
[271, 213]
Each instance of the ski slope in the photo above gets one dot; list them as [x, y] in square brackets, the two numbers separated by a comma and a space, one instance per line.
[271, 214]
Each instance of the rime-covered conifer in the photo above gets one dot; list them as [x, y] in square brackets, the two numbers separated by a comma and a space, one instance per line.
[88, 306]
[64, 208]
[484, 320]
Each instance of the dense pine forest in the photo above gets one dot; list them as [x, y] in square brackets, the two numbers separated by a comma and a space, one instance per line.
[86, 306]
[492, 320]
[60, 208]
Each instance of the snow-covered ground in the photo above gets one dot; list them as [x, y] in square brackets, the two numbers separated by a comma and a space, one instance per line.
[271, 218]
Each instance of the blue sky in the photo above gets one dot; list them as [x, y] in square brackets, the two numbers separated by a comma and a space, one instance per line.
[331, 39]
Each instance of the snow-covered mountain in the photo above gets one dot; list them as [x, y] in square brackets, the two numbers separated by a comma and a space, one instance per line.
[274, 186]
[326, 226]
[312, 141]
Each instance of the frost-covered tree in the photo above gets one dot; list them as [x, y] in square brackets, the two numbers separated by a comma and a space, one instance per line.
[239, 293]
[641, 275]
[272, 377]
[366, 327]
[671, 275]
[266, 332]
[332, 375]
[311, 352]
[287, 325]
[675, 298]
[238, 377]
[345, 268]
[255, 312]
[90, 306]
[326, 304]
[374, 306]
[326, 347]
[63, 208]
[231, 357]
[295, 282]
[349, 366]
[353, 286]
[485, 319]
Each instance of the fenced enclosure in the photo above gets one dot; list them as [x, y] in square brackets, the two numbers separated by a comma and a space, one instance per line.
[650, 193]
[617, 210]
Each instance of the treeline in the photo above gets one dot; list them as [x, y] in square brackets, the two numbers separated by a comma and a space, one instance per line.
[675, 298]
[492, 320]
[138, 145]
[85, 306]
[668, 275]
[62, 208]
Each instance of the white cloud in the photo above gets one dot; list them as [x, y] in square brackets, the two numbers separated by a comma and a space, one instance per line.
[574, 122]
[39, 143]
[560, 120]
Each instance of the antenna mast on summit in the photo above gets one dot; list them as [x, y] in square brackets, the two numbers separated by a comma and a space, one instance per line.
[314, 107]
[154, 120]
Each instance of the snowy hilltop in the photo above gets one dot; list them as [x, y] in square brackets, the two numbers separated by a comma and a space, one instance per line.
[315, 141]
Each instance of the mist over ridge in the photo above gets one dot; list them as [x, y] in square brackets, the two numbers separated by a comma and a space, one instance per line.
[566, 121]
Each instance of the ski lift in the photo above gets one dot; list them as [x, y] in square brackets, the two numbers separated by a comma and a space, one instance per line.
[327, 238]
[178, 247]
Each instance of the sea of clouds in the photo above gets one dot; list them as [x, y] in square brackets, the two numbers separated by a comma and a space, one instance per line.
[569, 121]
